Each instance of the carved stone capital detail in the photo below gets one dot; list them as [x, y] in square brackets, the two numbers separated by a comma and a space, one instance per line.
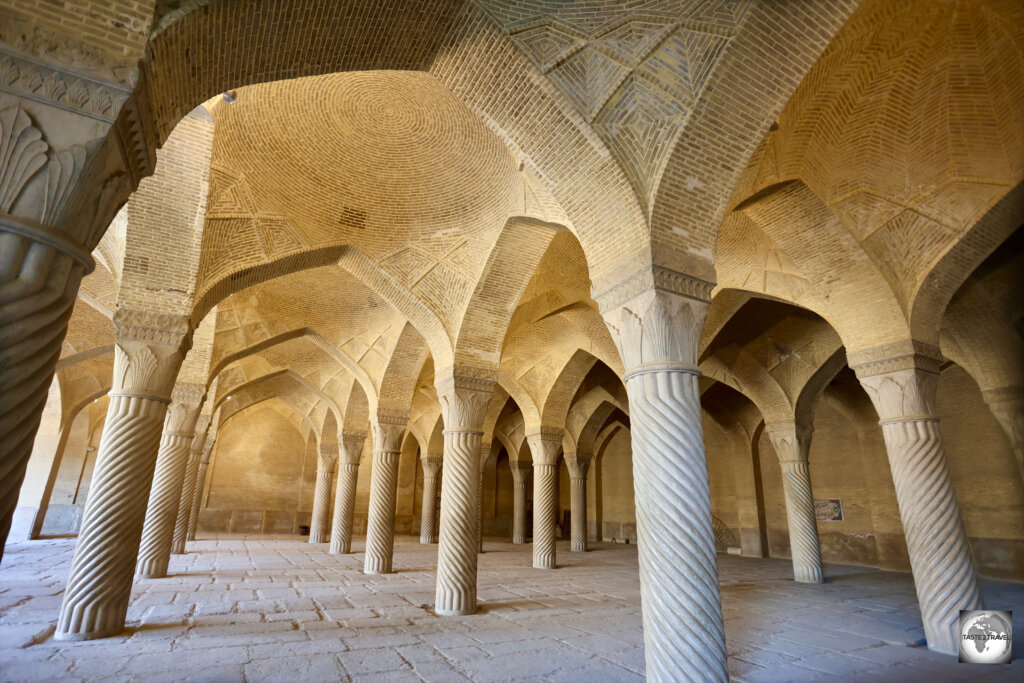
[388, 432]
[431, 465]
[464, 403]
[352, 447]
[167, 329]
[186, 400]
[902, 355]
[146, 370]
[649, 278]
[578, 464]
[904, 394]
[59, 87]
[791, 440]
[544, 445]
[327, 456]
[657, 330]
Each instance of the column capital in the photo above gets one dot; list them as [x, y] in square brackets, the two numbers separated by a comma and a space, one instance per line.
[464, 401]
[148, 350]
[578, 464]
[519, 470]
[433, 461]
[388, 431]
[791, 440]
[186, 400]
[655, 317]
[208, 451]
[327, 455]
[544, 445]
[352, 447]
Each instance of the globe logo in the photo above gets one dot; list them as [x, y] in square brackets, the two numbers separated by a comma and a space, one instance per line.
[986, 637]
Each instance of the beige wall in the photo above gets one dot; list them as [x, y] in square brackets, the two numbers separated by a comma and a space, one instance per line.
[848, 461]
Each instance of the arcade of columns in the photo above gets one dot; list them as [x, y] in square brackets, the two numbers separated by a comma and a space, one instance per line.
[496, 225]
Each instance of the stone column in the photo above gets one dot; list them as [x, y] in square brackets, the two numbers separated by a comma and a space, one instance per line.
[345, 493]
[1007, 404]
[485, 453]
[792, 444]
[55, 204]
[655, 317]
[544, 446]
[169, 480]
[318, 529]
[902, 389]
[197, 494]
[380, 526]
[428, 525]
[148, 352]
[195, 454]
[520, 472]
[463, 407]
[579, 465]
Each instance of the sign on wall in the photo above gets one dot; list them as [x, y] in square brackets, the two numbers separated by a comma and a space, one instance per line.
[828, 509]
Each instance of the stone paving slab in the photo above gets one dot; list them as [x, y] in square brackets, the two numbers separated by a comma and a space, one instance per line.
[278, 608]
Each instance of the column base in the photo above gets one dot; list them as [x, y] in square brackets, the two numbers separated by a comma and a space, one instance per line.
[544, 566]
[455, 612]
[519, 541]
[580, 550]
[87, 635]
[373, 571]
[317, 538]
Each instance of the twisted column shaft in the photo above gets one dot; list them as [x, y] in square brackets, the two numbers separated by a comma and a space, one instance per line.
[99, 585]
[458, 543]
[380, 525]
[545, 501]
[345, 493]
[164, 499]
[344, 505]
[518, 504]
[428, 523]
[38, 286]
[792, 445]
[480, 510]
[544, 447]
[903, 392]
[147, 356]
[318, 529]
[169, 480]
[655, 318]
[185, 503]
[197, 498]
[578, 466]
[463, 406]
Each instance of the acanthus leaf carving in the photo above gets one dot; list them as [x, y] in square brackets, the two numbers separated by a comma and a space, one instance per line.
[22, 154]
[464, 402]
[388, 432]
[351, 447]
[62, 171]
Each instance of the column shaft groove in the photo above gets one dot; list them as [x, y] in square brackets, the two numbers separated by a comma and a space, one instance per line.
[380, 525]
[344, 506]
[545, 503]
[458, 543]
[164, 498]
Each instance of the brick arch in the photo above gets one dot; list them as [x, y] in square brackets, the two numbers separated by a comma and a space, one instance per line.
[363, 380]
[398, 383]
[357, 410]
[512, 261]
[941, 283]
[198, 54]
[562, 391]
[751, 86]
[274, 382]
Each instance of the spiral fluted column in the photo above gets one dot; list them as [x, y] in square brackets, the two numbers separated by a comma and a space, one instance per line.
[463, 406]
[903, 392]
[520, 473]
[195, 455]
[792, 444]
[39, 280]
[318, 526]
[485, 452]
[185, 500]
[579, 465]
[197, 494]
[428, 523]
[655, 318]
[147, 355]
[380, 524]
[169, 480]
[544, 447]
[345, 493]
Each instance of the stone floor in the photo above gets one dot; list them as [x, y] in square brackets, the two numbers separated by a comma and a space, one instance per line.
[260, 609]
